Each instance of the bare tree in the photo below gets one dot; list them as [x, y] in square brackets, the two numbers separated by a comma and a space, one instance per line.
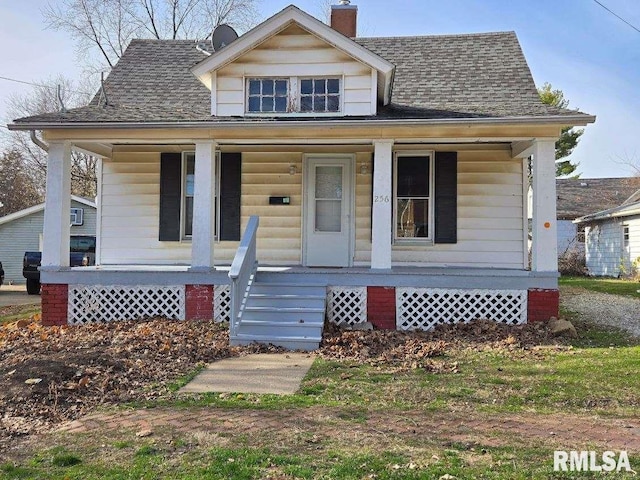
[18, 188]
[51, 96]
[105, 27]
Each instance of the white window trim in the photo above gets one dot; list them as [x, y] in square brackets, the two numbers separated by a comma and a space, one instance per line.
[183, 184]
[294, 97]
[431, 223]
[246, 95]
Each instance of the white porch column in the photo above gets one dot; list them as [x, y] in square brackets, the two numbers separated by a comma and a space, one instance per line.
[382, 227]
[203, 206]
[57, 223]
[544, 249]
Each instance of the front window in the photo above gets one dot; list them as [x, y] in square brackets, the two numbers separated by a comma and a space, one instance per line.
[412, 197]
[320, 95]
[268, 95]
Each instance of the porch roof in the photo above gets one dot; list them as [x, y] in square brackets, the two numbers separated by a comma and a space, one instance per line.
[436, 78]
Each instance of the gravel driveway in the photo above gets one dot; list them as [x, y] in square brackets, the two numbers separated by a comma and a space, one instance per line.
[603, 308]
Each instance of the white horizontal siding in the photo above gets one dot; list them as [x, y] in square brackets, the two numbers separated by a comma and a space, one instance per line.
[294, 53]
[490, 218]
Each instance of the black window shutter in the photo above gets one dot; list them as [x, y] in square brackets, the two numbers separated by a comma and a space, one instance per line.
[170, 196]
[230, 178]
[446, 197]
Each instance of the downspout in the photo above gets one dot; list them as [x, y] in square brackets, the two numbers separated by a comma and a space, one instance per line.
[37, 141]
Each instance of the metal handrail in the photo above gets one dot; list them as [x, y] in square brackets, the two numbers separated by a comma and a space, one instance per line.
[243, 269]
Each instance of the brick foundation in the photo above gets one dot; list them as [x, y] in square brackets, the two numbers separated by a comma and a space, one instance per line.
[381, 307]
[198, 302]
[542, 304]
[54, 304]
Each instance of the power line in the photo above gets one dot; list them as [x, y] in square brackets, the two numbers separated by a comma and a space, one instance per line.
[38, 85]
[618, 16]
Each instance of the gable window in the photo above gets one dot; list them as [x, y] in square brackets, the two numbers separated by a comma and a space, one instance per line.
[188, 183]
[320, 95]
[267, 95]
[413, 197]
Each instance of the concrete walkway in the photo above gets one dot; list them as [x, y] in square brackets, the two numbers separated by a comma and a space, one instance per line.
[278, 373]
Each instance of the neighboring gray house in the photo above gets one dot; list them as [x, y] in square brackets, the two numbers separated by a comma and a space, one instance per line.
[613, 239]
[22, 231]
[581, 197]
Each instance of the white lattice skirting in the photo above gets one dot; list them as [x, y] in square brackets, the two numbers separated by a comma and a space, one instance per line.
[424, 308]
[221, 303]
[347, 305]
[100, 303]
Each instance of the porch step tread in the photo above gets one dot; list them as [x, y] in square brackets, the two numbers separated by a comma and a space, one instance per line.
[269, 338]
[259, 283]
[286, 296]
[248, 322]
[285, 309]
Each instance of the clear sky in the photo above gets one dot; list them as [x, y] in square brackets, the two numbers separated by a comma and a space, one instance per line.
[575, 45]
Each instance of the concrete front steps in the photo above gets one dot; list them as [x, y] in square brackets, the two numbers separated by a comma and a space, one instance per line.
[286, 314]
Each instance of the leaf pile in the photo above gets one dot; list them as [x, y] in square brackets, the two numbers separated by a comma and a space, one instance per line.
[52, 374]
[410, 350]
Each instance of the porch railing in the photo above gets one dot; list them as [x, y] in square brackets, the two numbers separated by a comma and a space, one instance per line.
[243, 269]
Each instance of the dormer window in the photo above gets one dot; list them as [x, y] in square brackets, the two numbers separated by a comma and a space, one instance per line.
[293, 95]
[268, 95]
[320, 95]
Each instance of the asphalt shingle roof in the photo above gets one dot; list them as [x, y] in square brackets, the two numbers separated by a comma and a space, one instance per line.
[580, 197]
[437, 77]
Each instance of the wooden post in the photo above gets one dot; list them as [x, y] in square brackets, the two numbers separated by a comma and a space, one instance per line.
[544, 250]
[57, 223]
[381, 227]
[202, 241]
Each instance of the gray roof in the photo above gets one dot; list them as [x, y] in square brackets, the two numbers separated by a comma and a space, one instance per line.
[437, 77]
[580, 197]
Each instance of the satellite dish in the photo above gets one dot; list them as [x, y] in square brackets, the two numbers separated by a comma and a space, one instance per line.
[222, 36]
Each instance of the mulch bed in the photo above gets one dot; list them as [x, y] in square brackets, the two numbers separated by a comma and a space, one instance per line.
[52, 374]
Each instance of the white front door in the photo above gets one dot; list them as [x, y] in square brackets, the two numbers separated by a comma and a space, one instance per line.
[328, 216]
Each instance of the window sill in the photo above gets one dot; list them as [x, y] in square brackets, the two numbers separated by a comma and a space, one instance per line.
[412, 243]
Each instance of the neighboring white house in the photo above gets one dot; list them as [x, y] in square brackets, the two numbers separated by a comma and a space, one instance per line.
[22, 232]
[613, 239]
[583, 196]
[383, 179]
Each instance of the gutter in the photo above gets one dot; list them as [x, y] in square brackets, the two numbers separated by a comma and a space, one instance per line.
[573, 120]
[37, 141]
[606, 215]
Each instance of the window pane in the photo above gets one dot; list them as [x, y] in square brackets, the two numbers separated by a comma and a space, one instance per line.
[412, 218]
[306, 87]
[254, 104]
[281, 87]
[328, 218]
[267, 87]
[329, 182]
[189, 183]
[333, 85]
[267, 104]
[306, 104]
[413, 177]
[254, 87]
[281, 104]
[333, 103]
[188, 216]
[318, 103]
[320, 86]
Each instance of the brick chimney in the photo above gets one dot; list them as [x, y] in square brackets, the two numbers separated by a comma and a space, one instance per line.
[344, 18]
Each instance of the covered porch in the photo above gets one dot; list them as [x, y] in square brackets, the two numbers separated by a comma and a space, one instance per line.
[382, 279]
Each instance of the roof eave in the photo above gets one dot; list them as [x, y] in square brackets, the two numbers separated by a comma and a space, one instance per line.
[617, 212]
[566, 120]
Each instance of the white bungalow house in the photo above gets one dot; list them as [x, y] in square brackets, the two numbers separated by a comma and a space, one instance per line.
[375, 179]
[612, 239]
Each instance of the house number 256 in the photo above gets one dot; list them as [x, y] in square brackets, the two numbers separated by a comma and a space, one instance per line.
[381, 199]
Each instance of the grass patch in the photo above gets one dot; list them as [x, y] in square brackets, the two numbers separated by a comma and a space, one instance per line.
[65, 460]
[18, 312]
[616, 286]
[181, 382]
